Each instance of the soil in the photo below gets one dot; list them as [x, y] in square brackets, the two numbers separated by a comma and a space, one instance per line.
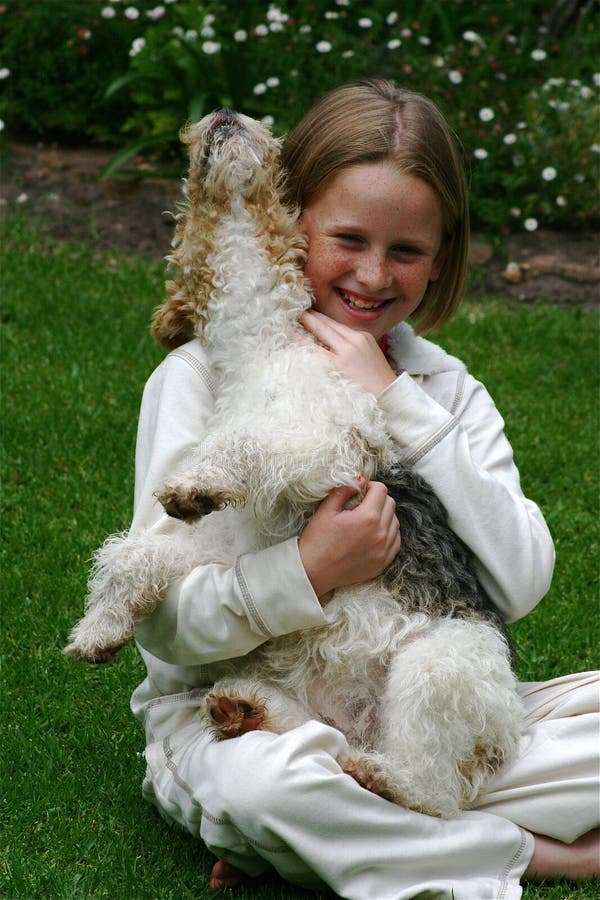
[62, 188]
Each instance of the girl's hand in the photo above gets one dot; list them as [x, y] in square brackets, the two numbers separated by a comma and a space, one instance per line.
[342, 546]
[356, 354]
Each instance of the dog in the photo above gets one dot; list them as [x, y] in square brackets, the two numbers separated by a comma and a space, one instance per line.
[414, 666]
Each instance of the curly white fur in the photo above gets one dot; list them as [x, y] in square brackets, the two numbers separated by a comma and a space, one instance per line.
[410, 666]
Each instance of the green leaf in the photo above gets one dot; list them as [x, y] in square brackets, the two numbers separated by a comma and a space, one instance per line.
[196, 108]
[131, 149]
[121, 81]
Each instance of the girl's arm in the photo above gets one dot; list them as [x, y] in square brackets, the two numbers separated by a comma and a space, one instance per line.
[465, 456]
[448, 429]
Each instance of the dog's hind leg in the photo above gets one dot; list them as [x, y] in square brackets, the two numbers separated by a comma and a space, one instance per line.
[238, 705]
[369, 770]
[450, 715]
[128, 576]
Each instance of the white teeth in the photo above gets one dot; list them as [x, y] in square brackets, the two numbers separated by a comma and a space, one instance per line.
[360, 304]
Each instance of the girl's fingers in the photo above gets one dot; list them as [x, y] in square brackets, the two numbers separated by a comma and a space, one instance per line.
[322, 327]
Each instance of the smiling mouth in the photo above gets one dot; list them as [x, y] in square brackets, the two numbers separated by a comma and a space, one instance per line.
[357, 301]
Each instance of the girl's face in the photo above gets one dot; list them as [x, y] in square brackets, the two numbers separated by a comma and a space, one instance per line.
[374, 244]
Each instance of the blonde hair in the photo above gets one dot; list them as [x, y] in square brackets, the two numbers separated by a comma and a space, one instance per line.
[370, 121]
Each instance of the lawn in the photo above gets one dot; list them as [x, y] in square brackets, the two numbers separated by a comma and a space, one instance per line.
[75, 354]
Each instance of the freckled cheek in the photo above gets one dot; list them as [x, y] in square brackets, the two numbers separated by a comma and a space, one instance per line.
[323, 266]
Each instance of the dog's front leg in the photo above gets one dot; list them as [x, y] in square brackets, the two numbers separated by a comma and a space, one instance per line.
[216, 477]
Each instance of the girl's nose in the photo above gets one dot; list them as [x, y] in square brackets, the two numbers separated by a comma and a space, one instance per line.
[373, 272]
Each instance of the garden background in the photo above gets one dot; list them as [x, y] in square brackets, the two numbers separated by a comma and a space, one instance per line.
[111, 82]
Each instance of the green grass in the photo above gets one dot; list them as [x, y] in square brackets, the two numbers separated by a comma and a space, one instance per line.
[75, 354]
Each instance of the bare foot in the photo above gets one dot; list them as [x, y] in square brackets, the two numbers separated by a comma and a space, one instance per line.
[553, 859]
[224, 875]
[233, 716]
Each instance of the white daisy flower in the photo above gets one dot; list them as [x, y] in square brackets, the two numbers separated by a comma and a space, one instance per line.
[486, 114]
[480, 153]
[549, 173]
[538, 55]
[323, 47]
[531, 224]
[455, 76]
[156, 13]
[276, 15]
[137, 46]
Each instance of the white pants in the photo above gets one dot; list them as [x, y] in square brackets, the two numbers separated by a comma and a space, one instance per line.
[265, 800]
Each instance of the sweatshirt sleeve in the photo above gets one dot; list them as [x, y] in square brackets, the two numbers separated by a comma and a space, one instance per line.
[217, 611]
[449, 430]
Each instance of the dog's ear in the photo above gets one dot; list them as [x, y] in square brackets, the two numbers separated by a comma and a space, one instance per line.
[173, 322]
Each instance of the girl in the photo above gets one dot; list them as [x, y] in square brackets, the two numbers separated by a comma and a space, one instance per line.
[379, 182]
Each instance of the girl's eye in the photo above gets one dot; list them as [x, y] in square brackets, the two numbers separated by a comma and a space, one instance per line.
[404, 248]
[350, 238]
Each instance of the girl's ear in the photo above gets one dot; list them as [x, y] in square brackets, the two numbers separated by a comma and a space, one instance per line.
[439, 261]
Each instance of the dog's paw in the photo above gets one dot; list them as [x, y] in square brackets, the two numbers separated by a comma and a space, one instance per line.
[95, 655]
[232, 716]
[190, 503]
[366, 773]
[92, 641]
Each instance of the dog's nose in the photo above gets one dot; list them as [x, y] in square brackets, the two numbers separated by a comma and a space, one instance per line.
[225, 113]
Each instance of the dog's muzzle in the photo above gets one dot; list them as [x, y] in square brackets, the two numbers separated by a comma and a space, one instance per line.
[224, 124]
